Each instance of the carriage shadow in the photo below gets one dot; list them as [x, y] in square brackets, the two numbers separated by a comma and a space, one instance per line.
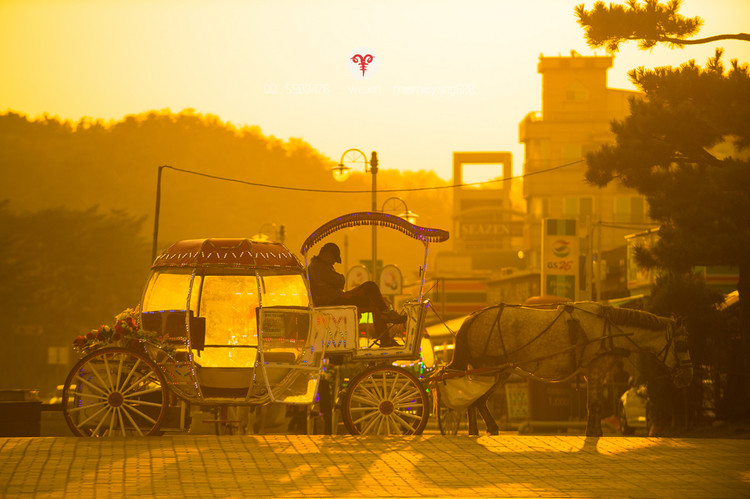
[436, 465]
[349, 466]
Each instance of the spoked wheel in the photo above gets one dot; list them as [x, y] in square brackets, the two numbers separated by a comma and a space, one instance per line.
[449, 420]
[114, 392]
[385, 401]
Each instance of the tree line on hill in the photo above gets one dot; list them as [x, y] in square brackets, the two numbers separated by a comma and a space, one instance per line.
[78, 204]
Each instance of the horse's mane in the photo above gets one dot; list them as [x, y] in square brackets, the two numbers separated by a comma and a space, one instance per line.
[634, 318]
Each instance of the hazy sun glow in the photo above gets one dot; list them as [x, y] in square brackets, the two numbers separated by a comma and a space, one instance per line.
[451, 76]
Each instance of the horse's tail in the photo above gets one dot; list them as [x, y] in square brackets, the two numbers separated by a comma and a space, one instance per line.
[461, 355]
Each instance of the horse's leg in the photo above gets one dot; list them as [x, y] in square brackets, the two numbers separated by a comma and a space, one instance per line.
[481, 404]
[595, 395]
[471, 414]
[484, 411]
[593, 406]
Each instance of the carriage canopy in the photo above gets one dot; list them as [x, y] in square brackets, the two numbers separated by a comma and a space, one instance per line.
[365, 218]
[237, 253]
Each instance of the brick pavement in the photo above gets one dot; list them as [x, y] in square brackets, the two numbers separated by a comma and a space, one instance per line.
[346, 466]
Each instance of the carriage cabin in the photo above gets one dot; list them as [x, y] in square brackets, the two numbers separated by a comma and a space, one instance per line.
[230, 322]
[212, 298]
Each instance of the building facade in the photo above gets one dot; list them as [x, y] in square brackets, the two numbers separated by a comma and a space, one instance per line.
[577, 110]
[488, 231]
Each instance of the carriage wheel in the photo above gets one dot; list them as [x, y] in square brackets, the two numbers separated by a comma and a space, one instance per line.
[385, 401]
[449, 420]
[114, 392]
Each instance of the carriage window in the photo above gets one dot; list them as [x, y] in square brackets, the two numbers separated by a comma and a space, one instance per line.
[169, 292]
[229, 303]
[285, 290]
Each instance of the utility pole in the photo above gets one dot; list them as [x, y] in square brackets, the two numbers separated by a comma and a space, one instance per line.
[599, 262]
[157, 209]
[374, 171]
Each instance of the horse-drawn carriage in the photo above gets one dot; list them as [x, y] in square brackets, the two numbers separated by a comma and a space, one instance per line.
[229, 323]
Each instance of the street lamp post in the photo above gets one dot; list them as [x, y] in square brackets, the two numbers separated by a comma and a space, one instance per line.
[157, 209]
[371, 167]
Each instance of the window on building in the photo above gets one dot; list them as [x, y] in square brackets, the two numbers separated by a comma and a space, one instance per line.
[571, 152]
[570, 207]
[555, 207]
[630, 209]
[637, 210]
[544, 148]
[585, 207]
[577, 93]
[538, 149]
[540, 207]
[578, 207]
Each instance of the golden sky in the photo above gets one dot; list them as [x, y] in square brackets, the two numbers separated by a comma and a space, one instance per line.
[450, 76]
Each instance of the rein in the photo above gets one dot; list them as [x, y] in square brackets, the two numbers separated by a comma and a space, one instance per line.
[496, 324]
[532, 340]
[611, 330]
[441, 319]
[667, 344]
[661, 356]
[441, 375]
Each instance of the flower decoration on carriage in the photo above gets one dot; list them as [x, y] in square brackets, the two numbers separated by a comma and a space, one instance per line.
[125, 333]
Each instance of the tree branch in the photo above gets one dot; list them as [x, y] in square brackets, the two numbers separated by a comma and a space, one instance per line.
[678, 41]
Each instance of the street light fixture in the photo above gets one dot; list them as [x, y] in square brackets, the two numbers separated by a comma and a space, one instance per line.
[270, 231]
[341, 171]
[398, 207]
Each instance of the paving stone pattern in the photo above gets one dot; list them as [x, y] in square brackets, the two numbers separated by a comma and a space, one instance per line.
[185, 466]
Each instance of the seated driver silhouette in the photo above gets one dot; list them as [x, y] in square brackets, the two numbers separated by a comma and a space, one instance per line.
[327, 287]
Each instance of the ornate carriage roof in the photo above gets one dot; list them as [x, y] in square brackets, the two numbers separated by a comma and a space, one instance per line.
[238, 253]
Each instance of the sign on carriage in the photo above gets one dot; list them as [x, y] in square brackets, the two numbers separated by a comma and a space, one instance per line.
[560, 258]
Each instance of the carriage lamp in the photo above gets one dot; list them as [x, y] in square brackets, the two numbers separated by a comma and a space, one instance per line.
[341, 172]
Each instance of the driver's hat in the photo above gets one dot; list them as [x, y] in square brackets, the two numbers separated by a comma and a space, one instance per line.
[334, 251]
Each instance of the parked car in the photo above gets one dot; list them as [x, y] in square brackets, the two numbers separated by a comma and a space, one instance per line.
[634, 409]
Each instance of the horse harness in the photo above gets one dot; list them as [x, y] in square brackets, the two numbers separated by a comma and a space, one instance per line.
[577, 337]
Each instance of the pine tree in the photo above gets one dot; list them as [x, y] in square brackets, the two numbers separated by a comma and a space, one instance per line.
[648, 23]
[685, 146]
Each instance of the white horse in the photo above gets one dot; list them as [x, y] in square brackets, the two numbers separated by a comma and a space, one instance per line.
[555, 345]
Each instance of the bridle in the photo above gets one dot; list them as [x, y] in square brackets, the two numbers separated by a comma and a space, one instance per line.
[679, 338]
[676, 340]
[664, 352]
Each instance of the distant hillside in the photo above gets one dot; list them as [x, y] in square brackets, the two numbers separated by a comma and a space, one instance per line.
[47, 162]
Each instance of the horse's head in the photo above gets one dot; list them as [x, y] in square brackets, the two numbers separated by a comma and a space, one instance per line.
[678, 359]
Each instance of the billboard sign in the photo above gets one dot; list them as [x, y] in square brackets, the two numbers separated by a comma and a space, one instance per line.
[560, 258]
